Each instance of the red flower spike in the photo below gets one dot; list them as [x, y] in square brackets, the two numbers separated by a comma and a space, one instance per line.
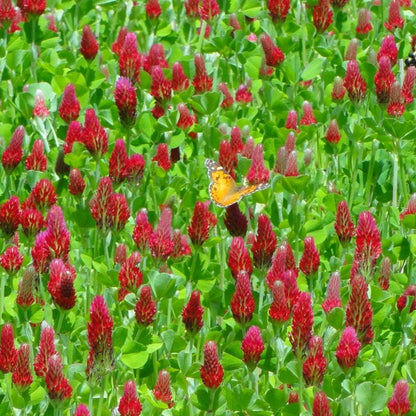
[155, 57]
[292, 120]
[234, 23]
[161, 88]
[145, 309]
[248, 148]
[117, 212]
[18, 18]
[408, 85]
[44, 194]
[281, 162]
[228, 100]
[395, 20]
[160, 242]
[212, 372]
[142, 230]
[343, 225]
[332, 299]
[192, 8]
[320, 405]
[46, 350]
[11, 260]
[264, 243]
[100, 332]
[26, 288]
[201, 223]
[242, 302]
[73, 134]
[94, 137]
[130, 275]
[239, 258]
[338, 3]
[40, 109]
[252, 346]
[359, 313]
[201, 82]
[278, 9]
[22, 374]
[82, 410]
[307, 118]
[332, 134]
[209, 9]
[314, 366]
[61, 284]
[290, 143]
[384, 79]
[180, 245]
[98, 203]
[70, 107]
[10, 216]
[186, 120]
[235, 221]
[180, 81]
[37, 159]
[76, 183]
[7, 13]
[322, 15]
[126, 101]
[399, 403]
[243, 95]
[411, 207]
[13, 153]
[57, 385]
[410, 292]
[384, 278]
[348, 348]
[192, 313]
[364, 22]
[258, 173]
[33, 7]
[130, 59]
[279, 310]
[309, 263]
[352, 48]
[117, 46]
[89, 44]
[162, 390]
[227, 158]
[129, 403]
[51, 23]
[277, 268]
[388, 48]
[302, 324]
[8, 352]
[120, 255]
[273, 54]
[135, 168]
[236, 142]
[153, 9]
[158, 110]
[338, 90]
[354, 82]
[396, 102]
[162, 157]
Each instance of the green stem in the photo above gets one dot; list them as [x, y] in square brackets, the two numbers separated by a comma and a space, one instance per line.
[201, 35]
[2, 285]
[395, 179]
[300, 378]
[254, 380]
[34, 51]
[169, 317]
[60, 321]
[394, 368]
[101, 401]
[261, 294]
[369, 183]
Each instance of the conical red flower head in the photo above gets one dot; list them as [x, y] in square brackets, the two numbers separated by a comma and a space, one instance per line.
[201, 82]
[279, 310]
[411, 207]
[129, 403]
[142, 230]
[94, 137]
[399, 404]
[354, 82]
[44, 194]
[212, 372]
[117, 212]
[278, 9]
[82, 410]
[26, 288]
[235, 221]
[395, 20]
[40, 109]
[228, 98]
[32, 221]
[338, 90]
[57, 385]
[332, 299]
[11, 260]
[332, 134]
[130, 59]
[264, 243]
[363, 22]
[396, 102]
[242, 302]
[292, 120]
[10, 216]
[243, 95]
[307, 117]
[192, 8]
[201, 223]
[290, 143]
[89, 44]
[155, 57]
[22, 374]
[76, 183]
[98, 203]
[61, 284]
[162, 157]
[160, 242]
[73, 134]
[161, 88]
[37, 159]
[322, 15]
[384, 278]
[321, 405]
[180, 81]
[33, 7]
[180, 245]
[145, 307]
[410, 293]
[302, 324]
[46, 350]
[126, 101]
[8, 352]
[70, 107]
[258, 173]
[248, 148]
[7, 13]
[13, 154]
[309, 263]
[344, 226]
[314, 366]
[277, 268]
[153, 9]
[227, 157]
[348, 348]
[273, 54]
[408, 85]
[209, 9]
[135, 168]
[117, 45]
[192, 313]
[239, 258]
[130, 275]
[186, 120]
[388, 48]
[252, 347]
[118, 161]
[162, 390]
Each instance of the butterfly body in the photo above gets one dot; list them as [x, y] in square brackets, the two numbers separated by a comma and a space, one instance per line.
[223, 190]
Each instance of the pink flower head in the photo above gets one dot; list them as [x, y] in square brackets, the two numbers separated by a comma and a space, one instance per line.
[153, 9]
[162, 157]
[126, 101]
[129, 403]
[408, 85]
[242, 302]
[279, 310]
[264, 243]
[338, 90]
[212, 371]
[76, 183]
[82, 410]
[10, 216]
[57, 385]
[162, 390]
[192, 313]
[302, 324]
[37, 159]
[252, 347]
[180, 81]
[94, 137]
[130, 60]
[332, 134]
[395, 20]
[314, 366]
[40, 109]
[399, 403]
[46, 350]
[384, 79]
[61, 284]
[292, 120]
[332, 299]
[309, 263]
[258, 173]
[278, 9]
[160, 242]
[22, 373]
[236, 142]
[201, 82]
[354, 82]
[201, 223]
[209, 9]
[235, 221]
[322, 15]
[8, 352]
[273, 54]
[348, 348]
[89, 44]
[70, 107]
[142, 230]
[321, 405]
[307, 117]
[13, 153]
[395, 106]
[145, 309]
[364, 22]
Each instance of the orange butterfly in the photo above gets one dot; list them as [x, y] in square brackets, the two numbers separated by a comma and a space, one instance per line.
[223, 189]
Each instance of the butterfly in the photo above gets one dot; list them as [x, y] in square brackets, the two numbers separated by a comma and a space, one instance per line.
[223, 189]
